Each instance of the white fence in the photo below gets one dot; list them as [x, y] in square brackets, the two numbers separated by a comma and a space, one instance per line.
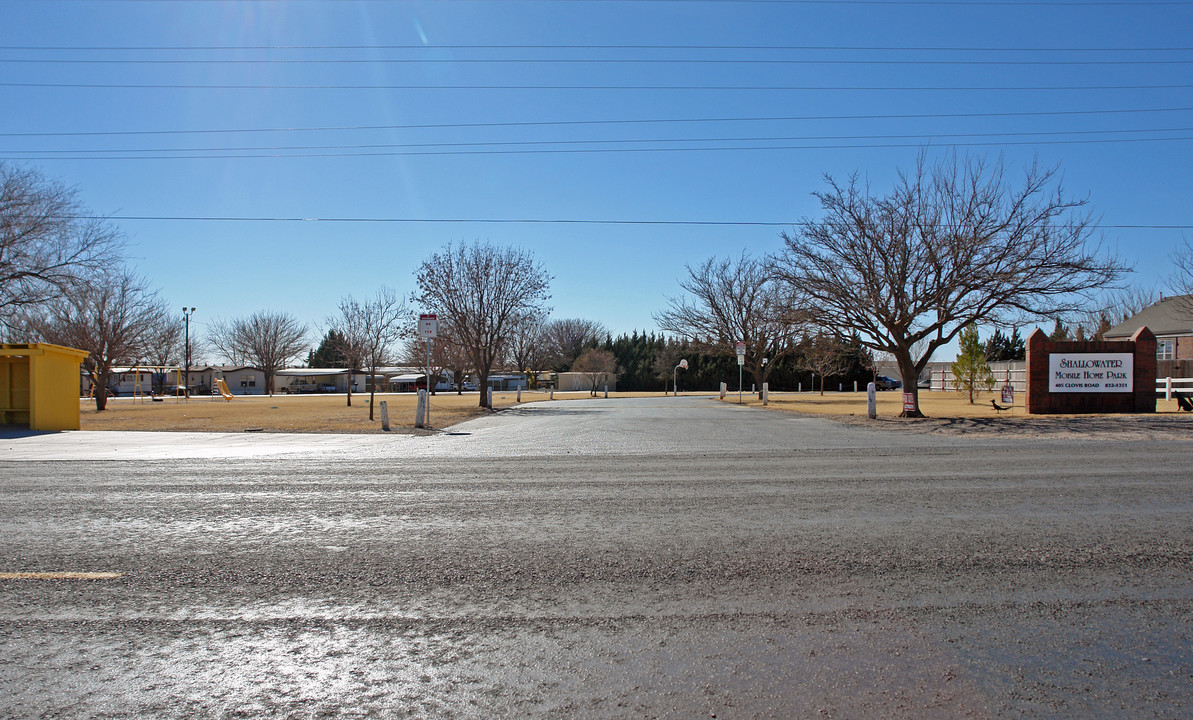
[1014, 371]
[1168, 385]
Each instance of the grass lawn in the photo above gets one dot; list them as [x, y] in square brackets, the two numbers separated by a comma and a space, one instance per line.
[294, 413]
[330, 413]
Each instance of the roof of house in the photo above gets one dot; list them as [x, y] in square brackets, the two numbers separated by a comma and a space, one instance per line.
[1171, 316]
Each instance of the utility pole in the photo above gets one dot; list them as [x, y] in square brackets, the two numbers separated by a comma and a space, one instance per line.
[186, 383]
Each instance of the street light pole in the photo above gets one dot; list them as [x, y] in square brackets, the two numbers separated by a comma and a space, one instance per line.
[186, 383]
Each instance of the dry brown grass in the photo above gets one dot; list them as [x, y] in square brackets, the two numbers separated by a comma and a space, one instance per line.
[293, 413]
[890, 404]
[330, 413]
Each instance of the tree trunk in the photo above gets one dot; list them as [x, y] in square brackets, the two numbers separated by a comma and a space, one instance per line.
[350, 366]
[100, 389]
[907, 372]
[482, 384]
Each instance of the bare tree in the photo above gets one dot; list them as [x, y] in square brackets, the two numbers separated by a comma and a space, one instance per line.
[952, 244]
[266, 340]
[113, 317]
[433, 365]
[596, 365]
[1180, 282]
[527, 347]
[345, 336]
[164, 341]
[47, 243]
[483, 291]
[825, 355]
[565, 339]
[728, 302]
[373, 327]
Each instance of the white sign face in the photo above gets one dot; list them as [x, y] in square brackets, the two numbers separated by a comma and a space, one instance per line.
[428, 326]
[741, 353]
[1091, 372]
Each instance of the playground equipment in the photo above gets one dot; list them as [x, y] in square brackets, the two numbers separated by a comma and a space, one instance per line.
[222, 387]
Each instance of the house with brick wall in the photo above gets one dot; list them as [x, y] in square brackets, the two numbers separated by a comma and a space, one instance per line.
[1171, 321]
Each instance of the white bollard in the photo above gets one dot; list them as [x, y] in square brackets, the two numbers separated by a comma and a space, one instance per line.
[420, 411]
[519, 394]
[606, 391]
[871, 401]
[724, 389]
[1167, 388]
[840, 387]
[490, 391]
[552, 394]
[855, 385]
[765, 394]
[384, 417]
[801, 387]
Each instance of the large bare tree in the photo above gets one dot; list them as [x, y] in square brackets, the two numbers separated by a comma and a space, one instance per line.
[482, 291]
[527, 348]
[114, 317]
[565, 339]
[953, 243]
[266, 340]
[731, 301]
[47, 243]
[372, 328]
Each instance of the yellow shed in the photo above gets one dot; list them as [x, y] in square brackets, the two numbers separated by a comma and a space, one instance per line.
[39, 386]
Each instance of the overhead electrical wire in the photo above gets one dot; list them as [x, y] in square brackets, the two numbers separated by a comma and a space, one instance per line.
[19, 155]
[598, 46]
[518, 221]
[612, 142]
[653, 88]
[605, 61]
[631, 121]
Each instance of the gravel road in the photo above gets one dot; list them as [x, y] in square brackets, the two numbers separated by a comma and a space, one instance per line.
[717, 562]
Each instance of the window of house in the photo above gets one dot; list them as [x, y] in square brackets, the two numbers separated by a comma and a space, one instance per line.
[252, 382]
[1166, 349]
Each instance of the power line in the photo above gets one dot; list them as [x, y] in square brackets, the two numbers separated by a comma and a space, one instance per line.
[889, 3]
[586, 47]
[513, 221]
[624, 141]
[16, 155]
[568, 123]
[699, 88]
[611, 61]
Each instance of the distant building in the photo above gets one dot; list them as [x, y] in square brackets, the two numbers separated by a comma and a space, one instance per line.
[1171, 321]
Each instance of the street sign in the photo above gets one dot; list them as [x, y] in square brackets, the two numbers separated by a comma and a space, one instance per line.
[741, 353]
[428, 326]
[1008, 394]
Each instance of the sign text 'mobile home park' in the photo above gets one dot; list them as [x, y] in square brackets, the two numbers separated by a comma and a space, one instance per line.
[1091, 372]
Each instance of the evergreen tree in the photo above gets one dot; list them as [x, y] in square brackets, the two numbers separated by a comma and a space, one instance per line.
[328, 354]
[970, 371]
[1060, 333]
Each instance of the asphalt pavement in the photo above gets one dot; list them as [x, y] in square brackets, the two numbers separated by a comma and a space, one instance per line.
[632, 558]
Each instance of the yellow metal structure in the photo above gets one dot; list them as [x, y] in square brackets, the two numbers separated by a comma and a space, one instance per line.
[39, 386]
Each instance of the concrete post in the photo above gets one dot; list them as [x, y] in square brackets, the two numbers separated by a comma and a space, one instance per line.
[519, 394]
[490, 391]
[724, 389]
[420, 412]
[606, 391]
[765, 394]
[1167, 388]
[384, 417]
[871, 401]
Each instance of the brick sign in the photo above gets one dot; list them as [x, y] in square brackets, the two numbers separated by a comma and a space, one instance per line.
[1094, 376]
[1091, 372]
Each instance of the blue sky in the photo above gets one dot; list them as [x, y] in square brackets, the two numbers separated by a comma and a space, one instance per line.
[604, 114]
